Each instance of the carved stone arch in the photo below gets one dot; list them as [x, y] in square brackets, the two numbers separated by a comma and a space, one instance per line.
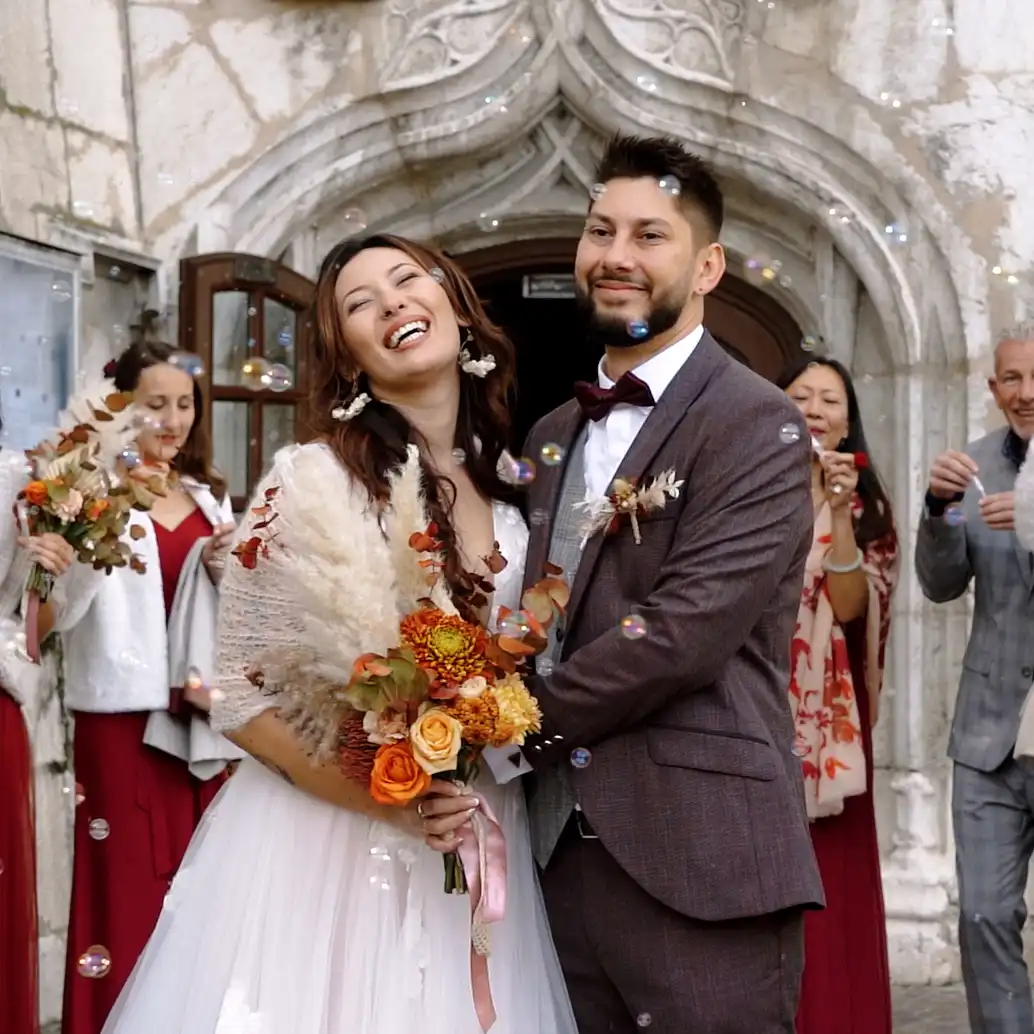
[613, 66]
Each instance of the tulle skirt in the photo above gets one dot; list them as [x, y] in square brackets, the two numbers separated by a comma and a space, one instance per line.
[289, 914]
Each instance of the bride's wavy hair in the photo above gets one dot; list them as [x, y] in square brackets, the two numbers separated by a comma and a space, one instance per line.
[373, 444]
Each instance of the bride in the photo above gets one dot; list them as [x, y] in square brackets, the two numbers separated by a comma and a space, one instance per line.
[303, 907]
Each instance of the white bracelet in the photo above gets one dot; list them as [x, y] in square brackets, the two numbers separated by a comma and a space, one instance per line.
[843, 568]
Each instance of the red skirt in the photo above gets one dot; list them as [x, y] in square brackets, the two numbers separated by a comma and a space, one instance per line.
[139, 810]
[19, 944]
[846, 985]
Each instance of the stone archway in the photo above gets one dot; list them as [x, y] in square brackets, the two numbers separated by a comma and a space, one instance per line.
[483, 131]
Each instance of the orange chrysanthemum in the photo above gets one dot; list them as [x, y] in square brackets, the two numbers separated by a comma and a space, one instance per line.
[479, 717]
[449, 647]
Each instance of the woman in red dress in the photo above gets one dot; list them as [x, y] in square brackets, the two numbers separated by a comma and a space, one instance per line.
[139, 806]
[19, 945]
[836, 665]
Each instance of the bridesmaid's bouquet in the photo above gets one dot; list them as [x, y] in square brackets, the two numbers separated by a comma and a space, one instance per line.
[82, 488]
[430, 706]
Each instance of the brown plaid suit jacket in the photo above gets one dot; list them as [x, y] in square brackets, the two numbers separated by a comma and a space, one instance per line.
[693, 787]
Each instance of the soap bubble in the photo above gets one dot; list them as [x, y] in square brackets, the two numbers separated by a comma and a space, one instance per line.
[597, 190]
[488, 222]
[255, 373]
[99, 829]
[514, 625]
[896, 233]
[761, 269]
[353, 221]
[799, 748]
[552, 454]
[789, 433]
[647, 82]
[80, 794]
[280, 378]
[437, 274]
[638, 330]
[810, 342]
[839, 213]
[459, 456]
[544, 666]
[633, 626]
[581, 757]
[670, 185]
[95, 962]
[954, 516]
[539, 517]
[890, 99]
[130, 457]
[61, 290]
[188, 362]
[644, 1019]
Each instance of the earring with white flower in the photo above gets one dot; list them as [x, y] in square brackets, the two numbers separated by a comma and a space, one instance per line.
[356, 402]
[468, 364]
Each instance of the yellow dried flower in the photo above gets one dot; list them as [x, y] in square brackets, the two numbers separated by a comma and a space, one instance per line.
[519, 712]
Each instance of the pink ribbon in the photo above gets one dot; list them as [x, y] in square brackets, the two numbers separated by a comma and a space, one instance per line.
[484, 864]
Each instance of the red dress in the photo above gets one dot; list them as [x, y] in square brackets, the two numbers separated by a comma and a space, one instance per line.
[19, 994]
[846, 985]
[139, 810]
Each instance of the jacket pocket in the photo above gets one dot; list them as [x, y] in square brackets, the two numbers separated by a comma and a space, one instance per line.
[711, 752]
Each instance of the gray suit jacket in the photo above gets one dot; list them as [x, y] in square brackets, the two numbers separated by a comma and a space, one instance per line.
[999, 662]
[693, 787]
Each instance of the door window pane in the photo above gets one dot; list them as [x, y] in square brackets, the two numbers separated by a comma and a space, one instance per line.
[280, 331]
[231, 422]
[229, 336]
[37, 340]
[277, 431]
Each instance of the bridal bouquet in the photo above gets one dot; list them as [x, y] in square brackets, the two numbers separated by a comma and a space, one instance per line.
[81, 489]
[430, 706]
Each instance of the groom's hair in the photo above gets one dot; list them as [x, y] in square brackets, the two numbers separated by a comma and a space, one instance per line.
[657, 157]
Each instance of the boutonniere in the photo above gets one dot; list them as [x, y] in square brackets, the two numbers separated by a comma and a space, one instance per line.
[627, 500]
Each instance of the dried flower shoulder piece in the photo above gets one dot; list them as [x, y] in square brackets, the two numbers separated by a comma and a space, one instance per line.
[626, 500]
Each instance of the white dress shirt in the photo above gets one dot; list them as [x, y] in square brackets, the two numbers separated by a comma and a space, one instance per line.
[609, 439]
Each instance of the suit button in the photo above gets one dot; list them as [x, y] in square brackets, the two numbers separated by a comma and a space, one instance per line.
[1028, 673]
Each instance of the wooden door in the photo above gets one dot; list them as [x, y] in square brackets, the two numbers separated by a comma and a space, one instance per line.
[248, 319]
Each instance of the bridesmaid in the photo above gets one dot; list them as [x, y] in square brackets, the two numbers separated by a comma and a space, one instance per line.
[140, 805]
[836, 666]
[19, 946]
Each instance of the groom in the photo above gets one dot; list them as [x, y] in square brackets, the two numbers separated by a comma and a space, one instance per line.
[666, 807]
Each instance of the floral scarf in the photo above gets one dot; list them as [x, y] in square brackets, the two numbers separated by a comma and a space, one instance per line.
[823, 698]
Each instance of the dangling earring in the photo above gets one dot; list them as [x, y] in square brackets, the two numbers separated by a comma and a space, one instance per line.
[468, 364]
[352, 406]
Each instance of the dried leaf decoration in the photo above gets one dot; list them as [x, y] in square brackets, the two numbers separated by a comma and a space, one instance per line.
[255, 547]
[495, 561]
[137, 533]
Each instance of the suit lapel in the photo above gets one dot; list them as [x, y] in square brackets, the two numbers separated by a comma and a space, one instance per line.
[545, 492]
[680, 394]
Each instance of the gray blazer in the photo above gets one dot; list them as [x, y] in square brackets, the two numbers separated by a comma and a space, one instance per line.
[999, 661]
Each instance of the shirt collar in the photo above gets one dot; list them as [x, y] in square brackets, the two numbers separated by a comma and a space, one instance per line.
[1014, 448]
[659, 370]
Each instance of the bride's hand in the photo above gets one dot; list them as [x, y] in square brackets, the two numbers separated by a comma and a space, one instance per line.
[444, 814]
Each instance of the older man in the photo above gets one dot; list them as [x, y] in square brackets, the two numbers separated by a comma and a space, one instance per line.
[966, 533]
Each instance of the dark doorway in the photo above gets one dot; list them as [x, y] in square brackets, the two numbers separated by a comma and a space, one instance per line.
[551, 354]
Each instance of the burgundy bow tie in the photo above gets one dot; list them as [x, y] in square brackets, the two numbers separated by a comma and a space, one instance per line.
[597, 402]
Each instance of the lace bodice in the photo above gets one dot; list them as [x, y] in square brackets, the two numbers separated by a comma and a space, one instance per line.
[512, 535]
[328, 575]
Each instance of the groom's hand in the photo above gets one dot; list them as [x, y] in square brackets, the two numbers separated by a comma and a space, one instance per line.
[445, 815]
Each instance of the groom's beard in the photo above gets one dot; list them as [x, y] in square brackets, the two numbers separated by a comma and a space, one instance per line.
[606, 331]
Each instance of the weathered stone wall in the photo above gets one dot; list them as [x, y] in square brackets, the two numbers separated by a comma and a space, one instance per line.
[877, 151]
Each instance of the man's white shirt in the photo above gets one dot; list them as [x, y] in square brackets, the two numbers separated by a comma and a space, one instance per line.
[609, 439]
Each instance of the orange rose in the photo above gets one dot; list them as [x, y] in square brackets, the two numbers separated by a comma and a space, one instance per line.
[94, 509]
[36, 493]
[396, 777]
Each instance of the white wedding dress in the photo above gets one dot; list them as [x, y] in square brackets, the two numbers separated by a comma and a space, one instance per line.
[292, 916]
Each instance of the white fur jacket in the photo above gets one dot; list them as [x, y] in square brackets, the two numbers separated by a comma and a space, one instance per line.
[328, 578]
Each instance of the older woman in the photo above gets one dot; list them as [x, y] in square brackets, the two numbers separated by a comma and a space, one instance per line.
[836, 672]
